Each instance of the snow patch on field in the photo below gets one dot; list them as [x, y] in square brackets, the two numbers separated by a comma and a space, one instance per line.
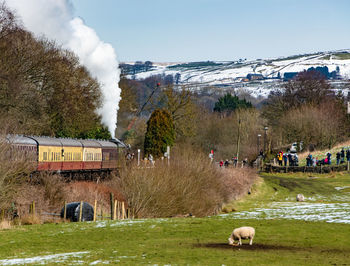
[327, 212]
[341, 188]
[99, 262]
[103, 224]
[57, 258]
[127, 222]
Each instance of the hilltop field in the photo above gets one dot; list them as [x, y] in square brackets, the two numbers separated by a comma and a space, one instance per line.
[314, 232]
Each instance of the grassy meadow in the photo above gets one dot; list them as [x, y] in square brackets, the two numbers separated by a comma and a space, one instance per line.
[200, 241]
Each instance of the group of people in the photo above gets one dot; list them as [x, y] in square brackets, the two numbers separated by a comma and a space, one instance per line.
[234, 162]
[288, 158]
[312, 161]
[340, 158]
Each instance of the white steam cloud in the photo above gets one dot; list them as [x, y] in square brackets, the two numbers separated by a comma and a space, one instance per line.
[55, 20]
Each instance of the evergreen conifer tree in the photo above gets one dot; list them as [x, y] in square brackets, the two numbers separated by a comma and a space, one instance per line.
[160, 133]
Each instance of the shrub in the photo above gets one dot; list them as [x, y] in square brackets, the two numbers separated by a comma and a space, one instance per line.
[5, 224]
[190, 184]
[160, 133]
[14, 170]
[29, 219]
[323, 125]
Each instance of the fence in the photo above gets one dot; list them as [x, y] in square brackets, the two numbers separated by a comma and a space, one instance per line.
[270, 168]
[119, 210]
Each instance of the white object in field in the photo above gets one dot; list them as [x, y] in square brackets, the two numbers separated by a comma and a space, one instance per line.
[245, 232]
[300, 197]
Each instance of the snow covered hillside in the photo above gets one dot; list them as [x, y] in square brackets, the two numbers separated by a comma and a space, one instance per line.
[265, 74]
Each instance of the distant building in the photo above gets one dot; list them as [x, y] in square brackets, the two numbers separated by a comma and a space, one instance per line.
[255, 77]
[289, 75]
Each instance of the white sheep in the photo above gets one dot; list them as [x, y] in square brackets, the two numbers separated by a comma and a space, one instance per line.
[300, 197]
[245, 232]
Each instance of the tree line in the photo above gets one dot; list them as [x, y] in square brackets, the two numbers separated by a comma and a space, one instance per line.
[44, 90]
[306, 109]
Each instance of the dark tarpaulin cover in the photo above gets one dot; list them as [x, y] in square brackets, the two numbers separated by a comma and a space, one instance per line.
[73, 210]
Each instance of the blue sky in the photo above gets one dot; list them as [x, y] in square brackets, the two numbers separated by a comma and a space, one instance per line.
[197, 30]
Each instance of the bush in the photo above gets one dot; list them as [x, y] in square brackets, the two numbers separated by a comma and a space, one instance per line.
[322, 126]
[29, 219]
[14, 170]
[5, 224]
[160, 133]
[190, 184]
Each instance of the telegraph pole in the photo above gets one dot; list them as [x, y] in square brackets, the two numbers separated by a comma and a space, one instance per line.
[265, 139]
[239, 136]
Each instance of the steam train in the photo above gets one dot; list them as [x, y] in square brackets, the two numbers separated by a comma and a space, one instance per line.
[64, 155]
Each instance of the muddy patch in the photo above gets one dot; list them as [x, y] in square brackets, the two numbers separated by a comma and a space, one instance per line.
[267, 247]
[248, 247]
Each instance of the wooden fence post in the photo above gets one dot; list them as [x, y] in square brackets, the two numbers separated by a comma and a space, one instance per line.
[95, 210]
[118, 210]
[65, 210]
[123, 210]
[81, 211]
[112, 203]
[115, 210]
[33, 207]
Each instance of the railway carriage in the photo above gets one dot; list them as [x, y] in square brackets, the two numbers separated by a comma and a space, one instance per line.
[50, 153]
[92, 155]
[109, 154]
[24, 145]
[72, 151]
[68, 155]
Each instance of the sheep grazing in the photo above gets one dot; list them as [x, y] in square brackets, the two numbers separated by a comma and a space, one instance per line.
[245, 232]
[300, 197]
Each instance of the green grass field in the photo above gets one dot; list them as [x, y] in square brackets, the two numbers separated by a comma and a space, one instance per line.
[201, 241]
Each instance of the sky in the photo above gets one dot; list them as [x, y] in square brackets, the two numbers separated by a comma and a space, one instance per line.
[198, 30]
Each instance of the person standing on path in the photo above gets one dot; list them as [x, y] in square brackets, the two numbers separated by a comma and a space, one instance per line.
[338, 155]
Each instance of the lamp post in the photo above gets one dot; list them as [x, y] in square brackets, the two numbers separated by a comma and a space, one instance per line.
[265, 137]
[259, 136]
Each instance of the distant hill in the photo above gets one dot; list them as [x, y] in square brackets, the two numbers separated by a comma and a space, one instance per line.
[258, 76]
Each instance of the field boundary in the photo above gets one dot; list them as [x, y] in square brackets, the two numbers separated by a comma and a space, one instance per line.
[270, 168]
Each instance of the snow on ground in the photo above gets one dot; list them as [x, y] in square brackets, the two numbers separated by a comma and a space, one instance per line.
[105, 223]
[327, 212]
[341, 188]
[55, 258]
[99, 262]
[232, 73]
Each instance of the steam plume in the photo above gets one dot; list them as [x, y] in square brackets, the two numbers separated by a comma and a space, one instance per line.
[54, 19]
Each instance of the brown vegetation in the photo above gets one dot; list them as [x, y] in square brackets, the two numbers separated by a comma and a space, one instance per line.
[322, 126]
[190, 184]
[14, 171]
[221, 134]
[307, 110]
[49, 192]
[5, 224]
